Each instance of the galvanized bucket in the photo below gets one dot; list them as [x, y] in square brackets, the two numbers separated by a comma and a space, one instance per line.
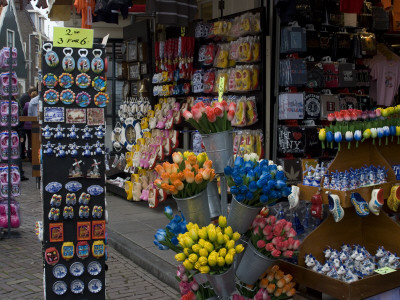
[223, 284]
[214, 201]
[200, 278]
[252, 265]
[195, 209]
[219, 148]
[241, 216]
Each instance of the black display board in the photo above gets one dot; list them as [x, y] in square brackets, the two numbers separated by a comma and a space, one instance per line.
[56, 169]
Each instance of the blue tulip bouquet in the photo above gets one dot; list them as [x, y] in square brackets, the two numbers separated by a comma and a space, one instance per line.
[256, 183]
[166, 238]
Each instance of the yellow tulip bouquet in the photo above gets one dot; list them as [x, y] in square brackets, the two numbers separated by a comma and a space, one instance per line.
[187, 176]
[210, 249]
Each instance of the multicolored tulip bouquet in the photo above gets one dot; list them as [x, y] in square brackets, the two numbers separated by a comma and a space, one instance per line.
[187, 176]
[188, 286]
[256, 183]
[273, 238]
[210, 249]
[166, 238]
[211, 119]
[355, 125]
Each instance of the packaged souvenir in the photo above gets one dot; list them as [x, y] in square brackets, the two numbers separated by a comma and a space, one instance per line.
[331, 72]
[221, 74]
[222, 56]
[209, 54]
[255, 23]
[255, 81]
[293, 39]
[256, 48]
[234, 50]
[245, 24]
[208, 81]
[246, 84]
[239, 119]
[234, 78]
[251, 111]
[245, 49]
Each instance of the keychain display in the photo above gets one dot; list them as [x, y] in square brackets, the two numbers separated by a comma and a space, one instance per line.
[68, 62]
[83, 64]
[7, 58]
[66, 80]
[4, 113]
[51, 97]
[83, 80]
[97, 61]
[50, 57]
[83, 99]
[50, 80]
[67, 97]
[5, 85]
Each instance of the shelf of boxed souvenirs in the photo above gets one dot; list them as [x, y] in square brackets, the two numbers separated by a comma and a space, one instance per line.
[353, 157]
[35, 143]
[370, 232]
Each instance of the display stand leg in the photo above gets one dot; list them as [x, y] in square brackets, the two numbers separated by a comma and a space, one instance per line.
[9, 144]
[224, 196]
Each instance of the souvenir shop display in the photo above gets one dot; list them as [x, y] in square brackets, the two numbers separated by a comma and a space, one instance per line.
[73, 194]
[10, 213]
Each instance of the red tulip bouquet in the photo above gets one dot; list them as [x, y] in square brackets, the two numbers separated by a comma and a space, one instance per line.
[211, 119]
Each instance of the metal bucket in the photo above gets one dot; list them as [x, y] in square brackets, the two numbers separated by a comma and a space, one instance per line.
[200, 278]
[219, 148]
[223, 284]
[195, 209]
[241, 216]
[252, 265]
[214, 201]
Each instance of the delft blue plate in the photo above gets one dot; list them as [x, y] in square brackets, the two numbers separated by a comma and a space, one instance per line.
[59, 288]
[95, 286]
[77, 286]
[53, 187]
[73, 186]
[94, 268]
[76, 269]
[95, 190]
[59, 271]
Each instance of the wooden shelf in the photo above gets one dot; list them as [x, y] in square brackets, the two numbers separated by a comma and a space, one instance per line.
[366, 154]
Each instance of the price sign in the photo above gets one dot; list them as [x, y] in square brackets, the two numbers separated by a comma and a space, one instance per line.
[385, 270]
[72, 37]
[221, 88]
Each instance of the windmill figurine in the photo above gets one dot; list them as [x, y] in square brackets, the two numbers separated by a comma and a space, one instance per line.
[75, 171]
[94, 171]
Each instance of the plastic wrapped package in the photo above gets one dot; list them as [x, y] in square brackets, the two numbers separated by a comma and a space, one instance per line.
[255, 23]
[197, 82]
[245, 24]
[15, 213]
[255, 81]
[247, 78]
[251, 111]
[218, 76]
[245, 47]
[234, 50]
[209, 54]
[239, 120]
[222, 56]
[208, 81]
[256, 48]
[234, 78]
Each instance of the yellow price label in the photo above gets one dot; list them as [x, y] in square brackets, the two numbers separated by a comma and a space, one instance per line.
[221, 88]
[72, 37]
[183, 31]
[385, 270]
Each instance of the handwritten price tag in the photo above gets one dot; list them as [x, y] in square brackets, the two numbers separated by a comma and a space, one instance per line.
[221, 88]
[385, 270]
[72, 37]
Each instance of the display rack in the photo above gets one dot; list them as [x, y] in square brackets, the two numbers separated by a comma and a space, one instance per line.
[66, 170]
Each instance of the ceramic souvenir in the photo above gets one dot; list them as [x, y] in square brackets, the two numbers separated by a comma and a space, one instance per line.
[59, 288]
[94, 268]
[70, 199]
[51, 97]
[86, 150]
[50, 57]
[82, 250]
[75, 171]
[53, 114]
[73, 150]
[86, 133]
[77, 286]
[48, 148]
[84, 211]
[73, 186]
[83, 64]
[50, 80]
[75, 115]
[98, 148]
[59, 132]
[53, 187]
[83, 99]
[99, 83]
[68, 212]
[101, 99]
[73, 132]
[67, 250]
[97, 61]
[95, 190]
[95, 116]
[67, 97]
[83, 80]
[95, 286]
[68, 62]
[94, 171]
[66, 80]
[60, 150]
[99, 132]
[98, 248]
[52, 256]
[59, 271]
[76, 269]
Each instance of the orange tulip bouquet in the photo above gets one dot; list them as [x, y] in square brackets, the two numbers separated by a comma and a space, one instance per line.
[187, 176]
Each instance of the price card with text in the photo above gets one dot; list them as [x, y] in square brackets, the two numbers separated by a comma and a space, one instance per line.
[385, 270]
[221, 88]
[72, 37]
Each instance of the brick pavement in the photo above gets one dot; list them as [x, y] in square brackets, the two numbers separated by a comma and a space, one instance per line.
[21, 273]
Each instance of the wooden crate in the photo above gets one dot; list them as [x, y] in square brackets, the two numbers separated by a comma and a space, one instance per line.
[366, 154]
[370, 231]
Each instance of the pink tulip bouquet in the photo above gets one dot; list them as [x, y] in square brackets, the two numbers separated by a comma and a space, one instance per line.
[272, 238]
[211, 119]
